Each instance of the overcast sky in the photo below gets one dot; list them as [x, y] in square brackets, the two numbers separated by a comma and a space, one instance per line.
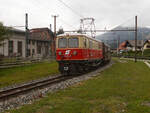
[107, 13]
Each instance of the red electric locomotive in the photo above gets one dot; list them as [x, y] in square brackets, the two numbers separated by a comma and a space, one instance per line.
[77, 52]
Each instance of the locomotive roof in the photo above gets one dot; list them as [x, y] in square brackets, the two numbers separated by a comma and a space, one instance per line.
[78, 34]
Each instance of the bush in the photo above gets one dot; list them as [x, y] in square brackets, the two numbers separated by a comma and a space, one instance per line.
[147, 53]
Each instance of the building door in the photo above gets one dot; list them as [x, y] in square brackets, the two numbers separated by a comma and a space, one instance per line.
[46, 50]
[10, 48]
[20, 48]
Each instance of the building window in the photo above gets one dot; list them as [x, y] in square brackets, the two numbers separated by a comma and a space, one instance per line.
[39, 43]
[46, 50]
[45, 35]
[38, 49]
[29, 41]
[33, 51]
[29, 52]
[33, 42]
[10, 48]
[148, 46]
[139, 42]
[20, 48]
[46, 44]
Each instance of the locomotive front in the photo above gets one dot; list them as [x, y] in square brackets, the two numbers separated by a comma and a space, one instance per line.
[68, 53]
[77, 53]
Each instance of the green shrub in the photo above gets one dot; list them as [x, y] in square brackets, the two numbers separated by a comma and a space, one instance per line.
[147, 53]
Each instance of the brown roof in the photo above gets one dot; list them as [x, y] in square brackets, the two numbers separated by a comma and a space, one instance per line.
[124, 45]
[130, 43]
[139, 43]
[147, 41]
[43, 34]
[15, 31]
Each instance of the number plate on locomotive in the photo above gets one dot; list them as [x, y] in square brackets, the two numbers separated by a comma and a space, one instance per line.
[66, 68]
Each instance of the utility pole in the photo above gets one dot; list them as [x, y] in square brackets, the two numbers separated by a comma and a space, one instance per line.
[118, 45]
[115, 45]
[54, 40]
[26, 28]
[50, 26]
[135, 38]
[142, 43]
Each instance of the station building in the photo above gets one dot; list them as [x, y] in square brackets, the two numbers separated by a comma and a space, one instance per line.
[39, 43]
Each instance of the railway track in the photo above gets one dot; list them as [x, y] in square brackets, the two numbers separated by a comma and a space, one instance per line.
[24, 94]
[18, 63]
[132, 57]
[6, 94]
[23, 89]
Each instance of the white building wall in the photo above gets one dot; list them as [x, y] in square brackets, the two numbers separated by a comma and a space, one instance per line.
[15, 42]
[145, 46]
[1, 48]
[31, 46]
[4, 48]
[15, 39]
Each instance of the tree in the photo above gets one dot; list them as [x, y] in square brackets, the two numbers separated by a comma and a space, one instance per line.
[60, 31]
[4, 32]
[79, 31]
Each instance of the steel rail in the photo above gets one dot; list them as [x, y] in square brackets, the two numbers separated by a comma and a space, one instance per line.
[11, 92]
[27, 87]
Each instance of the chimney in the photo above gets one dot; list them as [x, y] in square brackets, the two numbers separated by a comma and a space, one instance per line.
[50, 26]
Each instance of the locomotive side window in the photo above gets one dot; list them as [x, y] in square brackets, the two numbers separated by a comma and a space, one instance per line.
[73, 43]
[94, 45]
[85, 43]
[100, 45]
[62, 42]
[97, 45]
[90, 44]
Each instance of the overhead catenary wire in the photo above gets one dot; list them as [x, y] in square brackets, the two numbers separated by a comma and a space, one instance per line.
[66, 23]
[75, 12]
[16, 26]
[122, 23]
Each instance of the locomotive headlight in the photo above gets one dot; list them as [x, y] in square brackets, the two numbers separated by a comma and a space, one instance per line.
[59, 53]
[74, 52]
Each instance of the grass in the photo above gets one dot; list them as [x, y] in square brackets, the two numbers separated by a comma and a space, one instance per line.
[146, 53]
[26, 73]
[123, 88]
[8, 60]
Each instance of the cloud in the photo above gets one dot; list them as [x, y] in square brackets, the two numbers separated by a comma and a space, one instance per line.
[107, 13]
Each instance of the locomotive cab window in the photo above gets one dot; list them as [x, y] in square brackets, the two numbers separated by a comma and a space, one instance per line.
[73, 43]
[62, 42]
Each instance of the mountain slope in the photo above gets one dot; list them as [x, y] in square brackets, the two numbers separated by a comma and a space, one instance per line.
[111, 38]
